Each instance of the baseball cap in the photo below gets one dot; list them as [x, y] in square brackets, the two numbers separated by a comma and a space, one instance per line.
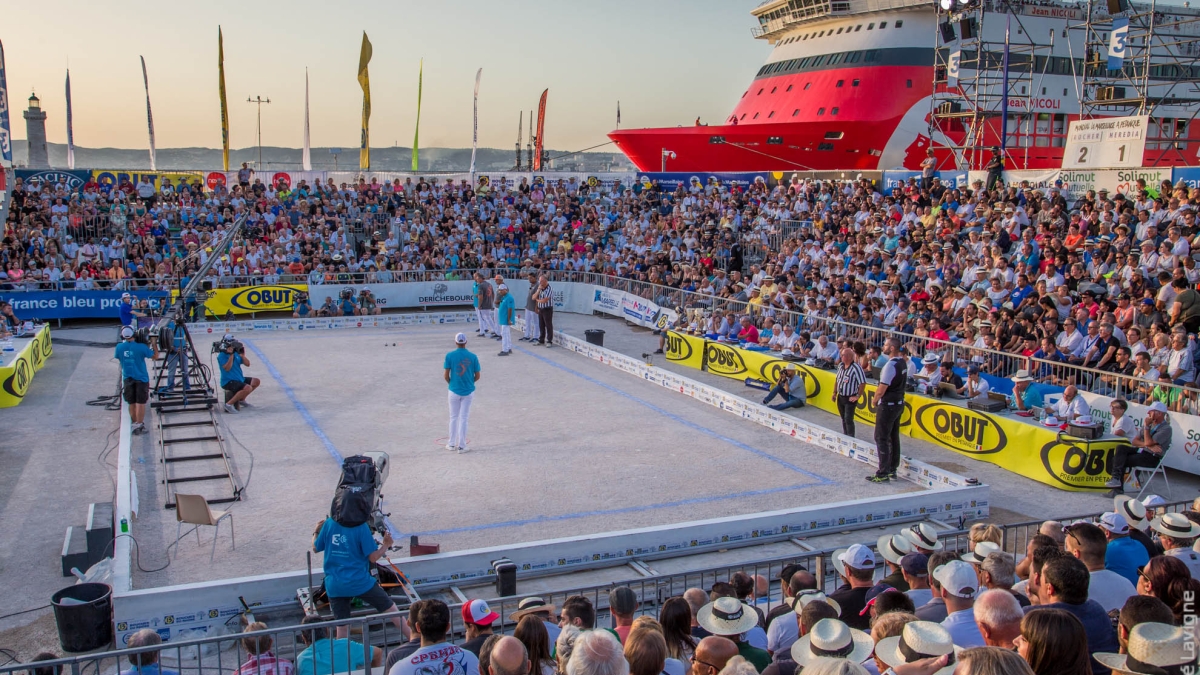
[227, 336]
[957, 578]
[915, 564]
[477, 612]
[461, 338]
[1157, 406]
[125, 296]
[857, 556]
[503, 287]
[1114, 522]
[873, 593]
[126, 332]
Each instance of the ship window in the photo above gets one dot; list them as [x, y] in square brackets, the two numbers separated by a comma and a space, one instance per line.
[1064, 91]
[760, 91]
[792, 85]
[755, 116]
[840, 83]
[825, 146]
[882, 25]
[795, 112]
[854, 83]
[870, 26]
[858, 28]
[840, 31]
[774, 140]
[900, 23]
[909, 82]
[834, 135]
[770, 114]
[807, 85]
[820, 111]
[1043, 91]
[853, 57]
[774, 88]
[743, 116]
[1064, 32]
[833, 112]
[745, 92]
[875, 153]
[716, 140]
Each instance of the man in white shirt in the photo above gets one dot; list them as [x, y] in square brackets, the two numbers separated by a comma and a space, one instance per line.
[824, 350]
[1088, 543]
[1071, 405]
[975, 389]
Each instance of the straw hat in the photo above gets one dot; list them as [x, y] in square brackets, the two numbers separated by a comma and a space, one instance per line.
[834, 639]
[919, 640]
[893, 547]
[1152, 648]
[1133, 511]
[807, 597]
[982, 549]
[1175, 526]
[531, 605]
[727, 616]
[923, 537]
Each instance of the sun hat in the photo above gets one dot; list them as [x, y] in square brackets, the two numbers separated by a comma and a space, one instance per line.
[461, 339]
[1153, 648]
[893, 547]
[1132, 510]
[478, 613]
[531, 605]
[1176, 526]
[1157, 406]
[807, 597]
[981, 551]
[930, 358]
[919, 640]
[1022, 375]
[857, 556]
[923, 537]
[1052, 421]
[1083, 420]
[1152, 501]
[727, 616]
[1114, 522]
[958, 579]
[833, 639]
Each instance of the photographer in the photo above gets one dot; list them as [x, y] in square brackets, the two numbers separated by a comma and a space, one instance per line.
[328, 309]
[367, 306]
[231, 358]
[301, 308]
[349, 554]
[346, 303]
[135, 378]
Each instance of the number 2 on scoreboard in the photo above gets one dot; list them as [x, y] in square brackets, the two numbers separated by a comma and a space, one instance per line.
[1083, 155]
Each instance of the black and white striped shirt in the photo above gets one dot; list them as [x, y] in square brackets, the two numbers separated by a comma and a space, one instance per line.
[849, 379]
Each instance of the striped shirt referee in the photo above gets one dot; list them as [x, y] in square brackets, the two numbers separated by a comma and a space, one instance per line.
[848, 389]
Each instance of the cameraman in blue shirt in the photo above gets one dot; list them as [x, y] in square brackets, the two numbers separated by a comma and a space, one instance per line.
[135, 378]
[349, 554]
[237, 386]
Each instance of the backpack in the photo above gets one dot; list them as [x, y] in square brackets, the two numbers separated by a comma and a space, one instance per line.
[354, 498]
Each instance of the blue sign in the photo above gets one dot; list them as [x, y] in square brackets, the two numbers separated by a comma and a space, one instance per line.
[72, 304]
[1118, 43]
[74, 180]
[1189, 175]
[672, 181]
[899, 179]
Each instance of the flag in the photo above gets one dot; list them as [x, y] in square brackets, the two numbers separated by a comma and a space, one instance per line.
[70, 130]
[306, 155]
[539, 142]
[417, 134]
[364, 81]
[149, 115]
[224, 105]
[618, 114]
[952, 62]
[1004, 86]
[1117, 43]
[5, 143]
[475, 124]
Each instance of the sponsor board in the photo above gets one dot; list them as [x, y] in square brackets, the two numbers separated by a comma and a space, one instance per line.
[18, 367]
[249, 299]
[70, 304]
[73, 180]
[958, 427]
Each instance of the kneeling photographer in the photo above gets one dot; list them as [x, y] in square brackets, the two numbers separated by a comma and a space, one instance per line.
[367, 304]
[346, 302]
[231, 356]
[328, 309]
[302, 308]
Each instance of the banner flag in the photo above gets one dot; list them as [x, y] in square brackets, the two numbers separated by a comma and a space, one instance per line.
[364, 81]
[149, 115]
[539, 142]
[70, 130]
[618, 114]
[952, 62]
[306, 155]
[1004, 88]
[224, 105]
[417, 133]
[5, 143]
[475, 123]
[1117, 43]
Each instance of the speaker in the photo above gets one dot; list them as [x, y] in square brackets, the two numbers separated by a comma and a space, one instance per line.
[948, 32]
[966, 28]
[506, 577]
[1118, 6]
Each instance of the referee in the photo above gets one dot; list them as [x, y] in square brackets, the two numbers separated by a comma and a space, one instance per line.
[848, 389]
[889, 407]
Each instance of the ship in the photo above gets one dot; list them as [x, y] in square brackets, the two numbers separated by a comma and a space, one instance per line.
[864, 85]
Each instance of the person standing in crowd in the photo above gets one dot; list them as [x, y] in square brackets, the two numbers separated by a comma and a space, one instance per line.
[129, 315]
[545, 303]
[889, 408]
[461, 372]
[478, 618]
[135, 386]
[848, 389]
[244, 175]
[1146, 449]
[433, 625]
[508, 316]
[995, 169]
[531, 311]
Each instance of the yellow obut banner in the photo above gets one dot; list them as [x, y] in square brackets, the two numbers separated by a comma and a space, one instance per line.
[1027, 449]
[249, 299]
[17, 372]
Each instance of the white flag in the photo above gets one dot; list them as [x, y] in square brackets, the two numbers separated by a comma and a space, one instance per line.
[306, 157]
[475, 129]
[149, 115]
[70, 127]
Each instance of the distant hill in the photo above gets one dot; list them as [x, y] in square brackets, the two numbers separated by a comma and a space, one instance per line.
[382, 159]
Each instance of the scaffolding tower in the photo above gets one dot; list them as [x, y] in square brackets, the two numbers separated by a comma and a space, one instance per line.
[1160, 75]
[967, 119]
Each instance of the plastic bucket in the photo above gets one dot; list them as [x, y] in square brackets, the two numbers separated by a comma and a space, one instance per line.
[83, 614]
[594, 336]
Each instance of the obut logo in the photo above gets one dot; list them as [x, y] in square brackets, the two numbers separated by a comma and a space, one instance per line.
[1079, 466]
[865, 409]
[263, 297]
[723, 360]
[18, 382]
[961, 429]
[678, 349]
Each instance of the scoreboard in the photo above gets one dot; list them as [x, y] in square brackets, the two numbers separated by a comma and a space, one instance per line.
[1106, 143]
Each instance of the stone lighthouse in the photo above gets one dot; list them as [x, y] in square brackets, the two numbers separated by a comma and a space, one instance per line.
[35, 131]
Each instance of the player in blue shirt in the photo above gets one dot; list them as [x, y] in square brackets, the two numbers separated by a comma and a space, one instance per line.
[507, 313]
[135, 377]
[462, 372]
[127, 311]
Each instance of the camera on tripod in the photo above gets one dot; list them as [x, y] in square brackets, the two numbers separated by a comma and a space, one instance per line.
[227, 344]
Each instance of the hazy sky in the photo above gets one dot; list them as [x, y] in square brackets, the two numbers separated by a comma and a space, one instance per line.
[667, 61]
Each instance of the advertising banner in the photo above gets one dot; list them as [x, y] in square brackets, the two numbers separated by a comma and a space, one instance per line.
[686, 350]
[1184, 453]
[46, 305]
[894, 179]
[247, 299]
[72, 179]
[114, 177]
[675, 180]
[17, 371]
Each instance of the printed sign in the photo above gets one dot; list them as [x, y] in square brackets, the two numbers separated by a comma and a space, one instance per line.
[1106, 143]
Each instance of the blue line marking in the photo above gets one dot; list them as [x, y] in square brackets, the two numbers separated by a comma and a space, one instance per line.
[822, 480]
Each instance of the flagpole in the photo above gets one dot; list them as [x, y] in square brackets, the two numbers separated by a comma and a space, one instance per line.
[306, 156]
[70, 129]
[149, 116]
[475, 123]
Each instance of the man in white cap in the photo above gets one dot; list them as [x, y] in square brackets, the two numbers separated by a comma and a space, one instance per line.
[127, 312]
[462, 372]
[930, 374]
[959, 584]
[1177, 534]
[507, 314]
[1123, 555]
[135, 378]
[856, 566]
[1146, 449]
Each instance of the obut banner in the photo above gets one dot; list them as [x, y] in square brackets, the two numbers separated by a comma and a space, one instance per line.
[249, 299]
[16, 375]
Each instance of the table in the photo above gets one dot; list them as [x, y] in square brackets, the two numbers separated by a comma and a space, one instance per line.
[18, 367]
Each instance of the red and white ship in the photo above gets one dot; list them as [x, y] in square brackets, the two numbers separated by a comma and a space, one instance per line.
[849, 85]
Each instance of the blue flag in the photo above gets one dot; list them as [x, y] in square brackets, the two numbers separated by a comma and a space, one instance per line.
[1117, 43]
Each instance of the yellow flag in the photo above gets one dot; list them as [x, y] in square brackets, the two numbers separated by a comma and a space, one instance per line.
[224, 107]
[364, 80]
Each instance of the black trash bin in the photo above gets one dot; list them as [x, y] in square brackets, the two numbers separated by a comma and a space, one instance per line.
[594, 336]
[83, 614]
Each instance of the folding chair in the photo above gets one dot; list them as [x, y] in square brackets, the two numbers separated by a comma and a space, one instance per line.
[194, 510]
[1144, 475]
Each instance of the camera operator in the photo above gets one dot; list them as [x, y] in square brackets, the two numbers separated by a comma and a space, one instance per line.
[237, 386]
[172, 338]
[135, 377]
[367, 306]
[301, 308]
[346, 302]
[350, 552]
[328, 309]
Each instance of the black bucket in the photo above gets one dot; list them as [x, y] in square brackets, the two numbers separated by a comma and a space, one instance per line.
[83, 614]
[594, 336]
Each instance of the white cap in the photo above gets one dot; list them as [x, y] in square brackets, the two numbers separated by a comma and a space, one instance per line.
[125, 295]
[958, 579]
[1158, 406]
[503, 287]
[227, 336]
[1114, 522]
[126, 332]
[857, 556]
[461, 339]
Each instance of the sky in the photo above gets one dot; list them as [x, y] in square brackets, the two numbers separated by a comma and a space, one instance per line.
[666, 61]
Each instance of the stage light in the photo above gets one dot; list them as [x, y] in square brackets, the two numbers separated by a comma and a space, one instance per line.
[946, 5]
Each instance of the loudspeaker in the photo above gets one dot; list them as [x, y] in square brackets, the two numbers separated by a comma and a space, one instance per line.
[1118, 6]
[948, 32]
[506, 577]
[966, 28]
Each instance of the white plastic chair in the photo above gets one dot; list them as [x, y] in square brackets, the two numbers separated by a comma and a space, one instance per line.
[194, 510]
[1144, 475]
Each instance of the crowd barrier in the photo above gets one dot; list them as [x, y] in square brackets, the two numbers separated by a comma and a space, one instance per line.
[18, 367]
[1010, 442]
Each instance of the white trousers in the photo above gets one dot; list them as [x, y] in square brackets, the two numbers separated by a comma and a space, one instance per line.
[487, 320]
[505, 338]
[531, 324]
[460, 411]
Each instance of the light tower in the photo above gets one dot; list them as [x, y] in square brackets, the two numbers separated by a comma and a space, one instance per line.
[35, 131]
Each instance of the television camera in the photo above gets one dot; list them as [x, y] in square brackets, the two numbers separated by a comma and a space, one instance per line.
[358, 498]
[231, 345]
